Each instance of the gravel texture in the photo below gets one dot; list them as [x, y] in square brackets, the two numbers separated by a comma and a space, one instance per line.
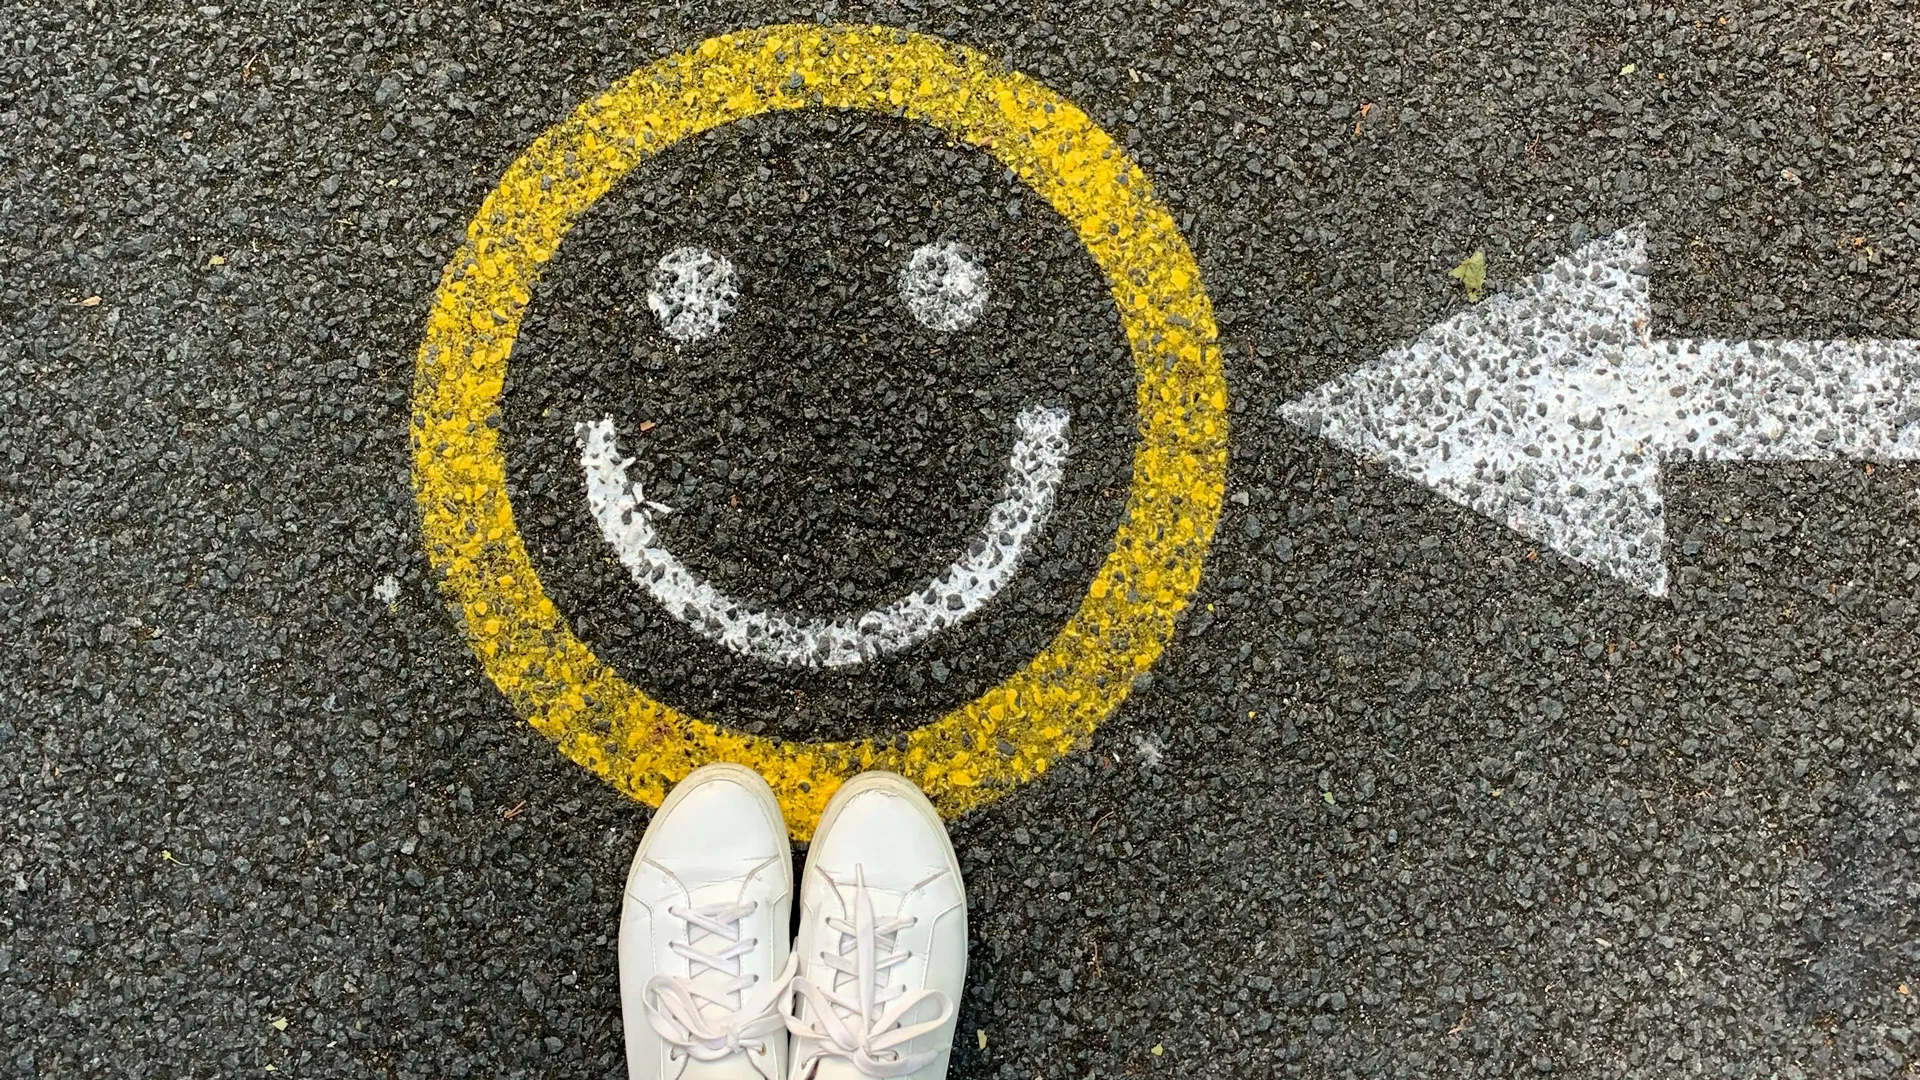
[1407, 798]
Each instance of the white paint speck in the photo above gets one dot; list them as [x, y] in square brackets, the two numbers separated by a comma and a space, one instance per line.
[387, 590]
[944, 286]
[626, 521]
[693, 293]
[1148, 746]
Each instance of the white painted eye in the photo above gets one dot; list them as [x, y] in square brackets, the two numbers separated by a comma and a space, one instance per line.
[692, 293]
[943, 285]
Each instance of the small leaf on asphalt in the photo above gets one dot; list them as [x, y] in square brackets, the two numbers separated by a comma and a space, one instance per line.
[1472, 274]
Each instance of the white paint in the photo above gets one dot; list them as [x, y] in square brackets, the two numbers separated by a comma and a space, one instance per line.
[387, 590]
[692, 293]
[1150, 751]
[944, 286]
[626, 520]
[1552, 407]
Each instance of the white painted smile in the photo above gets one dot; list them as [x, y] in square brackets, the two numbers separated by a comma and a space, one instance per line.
[945, 290]
[626, 520]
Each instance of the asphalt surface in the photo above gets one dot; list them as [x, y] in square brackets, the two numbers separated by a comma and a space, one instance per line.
[1407, 797]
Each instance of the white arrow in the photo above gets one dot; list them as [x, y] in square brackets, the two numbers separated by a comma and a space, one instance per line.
[1550, 408]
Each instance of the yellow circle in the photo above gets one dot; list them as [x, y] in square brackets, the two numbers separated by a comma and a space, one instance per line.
[1011, 733]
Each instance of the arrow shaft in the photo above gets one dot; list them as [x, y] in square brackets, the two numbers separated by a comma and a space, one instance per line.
[1552, 408]
[1712, 400]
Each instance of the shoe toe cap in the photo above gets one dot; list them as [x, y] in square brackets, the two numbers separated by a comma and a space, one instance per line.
[892, 838]
[716, 821]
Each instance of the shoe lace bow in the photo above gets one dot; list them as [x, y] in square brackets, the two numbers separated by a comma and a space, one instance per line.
[861, 1023]
[675, 1005]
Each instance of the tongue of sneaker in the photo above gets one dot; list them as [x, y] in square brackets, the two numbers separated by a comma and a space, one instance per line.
[722, 890]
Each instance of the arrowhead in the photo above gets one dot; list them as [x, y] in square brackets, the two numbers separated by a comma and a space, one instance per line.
[1517, 409]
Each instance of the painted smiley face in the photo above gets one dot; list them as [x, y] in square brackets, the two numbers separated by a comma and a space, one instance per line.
[851, 419]
[478, 530]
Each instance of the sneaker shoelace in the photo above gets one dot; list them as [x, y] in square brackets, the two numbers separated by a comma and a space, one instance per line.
[674, 1003]
[861, 1023]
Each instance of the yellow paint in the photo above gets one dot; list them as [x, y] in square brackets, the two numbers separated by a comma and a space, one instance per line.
[615, 729]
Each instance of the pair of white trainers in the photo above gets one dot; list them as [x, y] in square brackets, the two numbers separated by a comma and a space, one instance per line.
[710, 987]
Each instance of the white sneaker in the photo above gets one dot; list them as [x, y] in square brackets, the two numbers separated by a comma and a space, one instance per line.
[704, 957]
[883, 938]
